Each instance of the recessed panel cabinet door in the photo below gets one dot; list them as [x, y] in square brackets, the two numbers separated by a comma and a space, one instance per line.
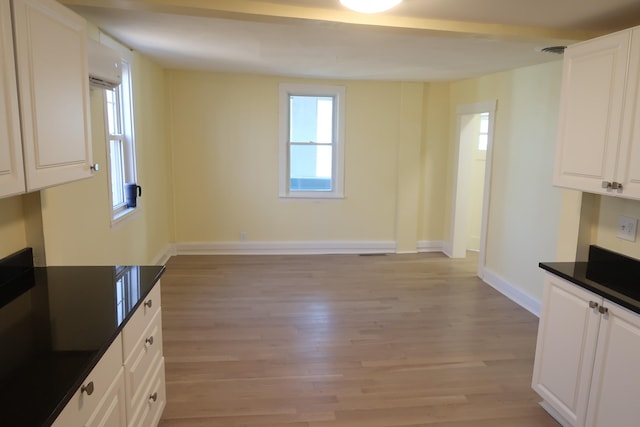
[51, 57]
[629, 159]
[615, 388]
[11, 168]
[565, 350]
[593, 88]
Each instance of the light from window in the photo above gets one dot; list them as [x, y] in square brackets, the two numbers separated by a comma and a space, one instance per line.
[312, 146]
[311, 141]
[483, 137]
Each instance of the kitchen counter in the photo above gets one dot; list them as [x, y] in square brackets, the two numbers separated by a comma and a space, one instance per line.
[608, 274]
[55, 324]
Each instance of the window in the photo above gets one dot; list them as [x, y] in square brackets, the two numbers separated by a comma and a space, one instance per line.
[483, 136]
[311, 141]
[120, 136]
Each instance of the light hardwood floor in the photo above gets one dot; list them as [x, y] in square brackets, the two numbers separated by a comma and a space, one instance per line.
[344, 340]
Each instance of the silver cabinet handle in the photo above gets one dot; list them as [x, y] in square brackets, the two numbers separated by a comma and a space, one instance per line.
[154, 396]
[148, 303]
[603, 310]
[87, 389]
[593, 304]
[149, 340]
[95, 167]
[607, 185]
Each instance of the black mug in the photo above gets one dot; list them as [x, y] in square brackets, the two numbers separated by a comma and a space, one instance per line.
[131, 194]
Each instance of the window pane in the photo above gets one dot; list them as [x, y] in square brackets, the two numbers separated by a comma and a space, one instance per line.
[113, 111]
[117, 172]
[311, 119]
[482, 142]
[484, 123]
[311, 168]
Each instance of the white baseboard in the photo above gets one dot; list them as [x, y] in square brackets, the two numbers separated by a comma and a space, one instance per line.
[447, 249]
[430, 246]
[512, 292]
[164, 256]
[285, 248]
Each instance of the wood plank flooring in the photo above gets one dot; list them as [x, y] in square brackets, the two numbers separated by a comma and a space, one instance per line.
[344, 340]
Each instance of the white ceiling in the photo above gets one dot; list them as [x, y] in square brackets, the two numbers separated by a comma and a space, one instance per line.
[421, 40]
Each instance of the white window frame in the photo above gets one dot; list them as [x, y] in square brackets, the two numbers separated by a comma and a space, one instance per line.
[120, 212]
[337, 175]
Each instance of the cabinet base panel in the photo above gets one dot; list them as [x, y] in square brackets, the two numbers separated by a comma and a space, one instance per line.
[555, 414]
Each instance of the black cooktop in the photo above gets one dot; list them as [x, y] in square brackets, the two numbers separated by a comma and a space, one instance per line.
[55, 324]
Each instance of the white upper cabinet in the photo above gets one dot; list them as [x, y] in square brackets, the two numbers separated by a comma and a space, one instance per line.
[51, 59]
[629, 164]
[599, 135]
[50, 126]
[11, 166]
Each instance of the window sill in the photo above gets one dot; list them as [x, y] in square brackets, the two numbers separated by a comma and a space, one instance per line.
[312, 196]
[123, 216]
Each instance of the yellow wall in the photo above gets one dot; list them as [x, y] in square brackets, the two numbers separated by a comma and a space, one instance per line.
[76, 216]
[433, 224]
[225, 151]
[524, 208]
[12, 226]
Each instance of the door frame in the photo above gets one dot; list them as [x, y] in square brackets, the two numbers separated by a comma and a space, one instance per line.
[458, 217]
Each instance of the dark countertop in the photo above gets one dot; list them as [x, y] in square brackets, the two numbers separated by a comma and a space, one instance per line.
[55, 324]
[608, 274]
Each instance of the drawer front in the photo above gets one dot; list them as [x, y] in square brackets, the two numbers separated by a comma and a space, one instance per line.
[82, 405]
[142, 361]
[150, 408]
[140, 320]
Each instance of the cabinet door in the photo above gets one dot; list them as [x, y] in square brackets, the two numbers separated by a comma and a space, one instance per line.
[566, 346]
[111, 411]
[51, 57]
[629, 159]
[11, 167]
[592, 98]
[616, 378]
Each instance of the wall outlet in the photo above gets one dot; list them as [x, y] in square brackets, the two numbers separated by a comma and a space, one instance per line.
[243, 236]
[627, 228]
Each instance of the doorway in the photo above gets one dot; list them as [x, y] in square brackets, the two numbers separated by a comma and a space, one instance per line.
[475, 123]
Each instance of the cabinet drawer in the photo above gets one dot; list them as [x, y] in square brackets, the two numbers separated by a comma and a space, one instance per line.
[82, 405]
[140, 320]
[149, 409]
[142, 361]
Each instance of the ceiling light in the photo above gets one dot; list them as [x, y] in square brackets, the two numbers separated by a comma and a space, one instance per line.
[370, 6]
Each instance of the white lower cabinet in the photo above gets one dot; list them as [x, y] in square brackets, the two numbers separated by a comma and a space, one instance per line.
[101, 396]
[615, 387]
[111, 411]
[127, 386]
[586, 358]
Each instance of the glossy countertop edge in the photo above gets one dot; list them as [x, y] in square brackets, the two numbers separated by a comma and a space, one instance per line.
[559, 269]
[100, 352]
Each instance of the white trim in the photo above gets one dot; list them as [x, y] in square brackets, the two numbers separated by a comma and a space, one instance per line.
[285, 248]
[430, 246]
[511, 291]
[164, 256]
[339, 92]
[457, 216]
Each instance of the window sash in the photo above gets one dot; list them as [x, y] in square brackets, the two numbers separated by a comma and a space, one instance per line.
[332, 139]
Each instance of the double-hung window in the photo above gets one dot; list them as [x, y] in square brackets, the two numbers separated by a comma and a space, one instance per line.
[120, 135]
[311, 141]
